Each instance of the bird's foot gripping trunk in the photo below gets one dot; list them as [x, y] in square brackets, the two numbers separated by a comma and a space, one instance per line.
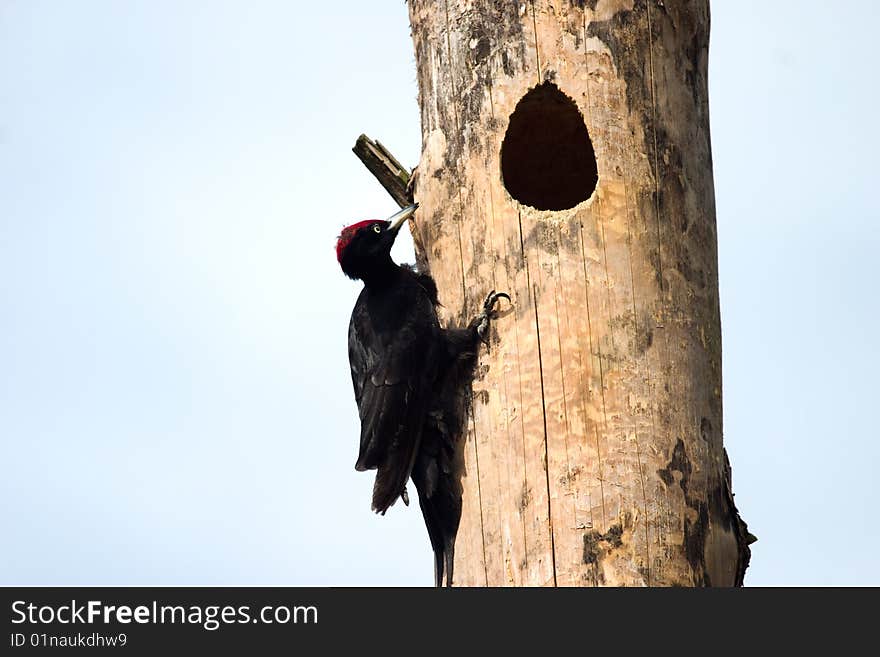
[480, 323]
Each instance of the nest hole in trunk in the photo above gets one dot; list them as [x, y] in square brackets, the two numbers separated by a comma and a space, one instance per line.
[547, 157]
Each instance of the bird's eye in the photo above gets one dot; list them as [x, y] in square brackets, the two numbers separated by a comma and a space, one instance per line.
[377, 228]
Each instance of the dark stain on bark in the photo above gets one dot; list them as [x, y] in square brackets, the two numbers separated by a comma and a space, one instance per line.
[718, 508]
[584, 4]
[570, 476]
[480, 50]
[525, 498]
[678, 463]
[542, 236]
[643, 335]
[694, 530]
[506, 64]
[598, 545]
[705, 429]
[695, 544]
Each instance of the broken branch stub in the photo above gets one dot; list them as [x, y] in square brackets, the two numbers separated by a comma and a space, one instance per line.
[390, 173]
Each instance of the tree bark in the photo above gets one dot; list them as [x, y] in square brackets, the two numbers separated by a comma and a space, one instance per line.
[594, 448]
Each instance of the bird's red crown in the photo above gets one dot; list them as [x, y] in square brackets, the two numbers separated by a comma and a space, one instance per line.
[348, 234]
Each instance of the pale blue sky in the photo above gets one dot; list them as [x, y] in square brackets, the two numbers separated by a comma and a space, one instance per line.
[175, 403]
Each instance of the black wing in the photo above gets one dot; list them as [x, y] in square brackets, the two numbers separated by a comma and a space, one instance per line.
[392, 373]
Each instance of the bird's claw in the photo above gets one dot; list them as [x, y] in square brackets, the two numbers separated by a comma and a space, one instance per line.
[489, 303]
[404, 496]
[488, 314]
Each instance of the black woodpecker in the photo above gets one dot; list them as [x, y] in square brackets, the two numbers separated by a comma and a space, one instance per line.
[411, 381]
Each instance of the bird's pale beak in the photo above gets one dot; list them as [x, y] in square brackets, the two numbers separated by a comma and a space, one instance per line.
[398, 218]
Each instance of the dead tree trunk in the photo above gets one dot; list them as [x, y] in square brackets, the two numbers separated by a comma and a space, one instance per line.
[566, 160]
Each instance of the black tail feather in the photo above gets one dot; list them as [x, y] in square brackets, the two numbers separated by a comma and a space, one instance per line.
[439, 541]
[450, 560]
[440, 501]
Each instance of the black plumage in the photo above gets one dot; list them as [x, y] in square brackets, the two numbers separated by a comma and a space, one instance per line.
[411, 381]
